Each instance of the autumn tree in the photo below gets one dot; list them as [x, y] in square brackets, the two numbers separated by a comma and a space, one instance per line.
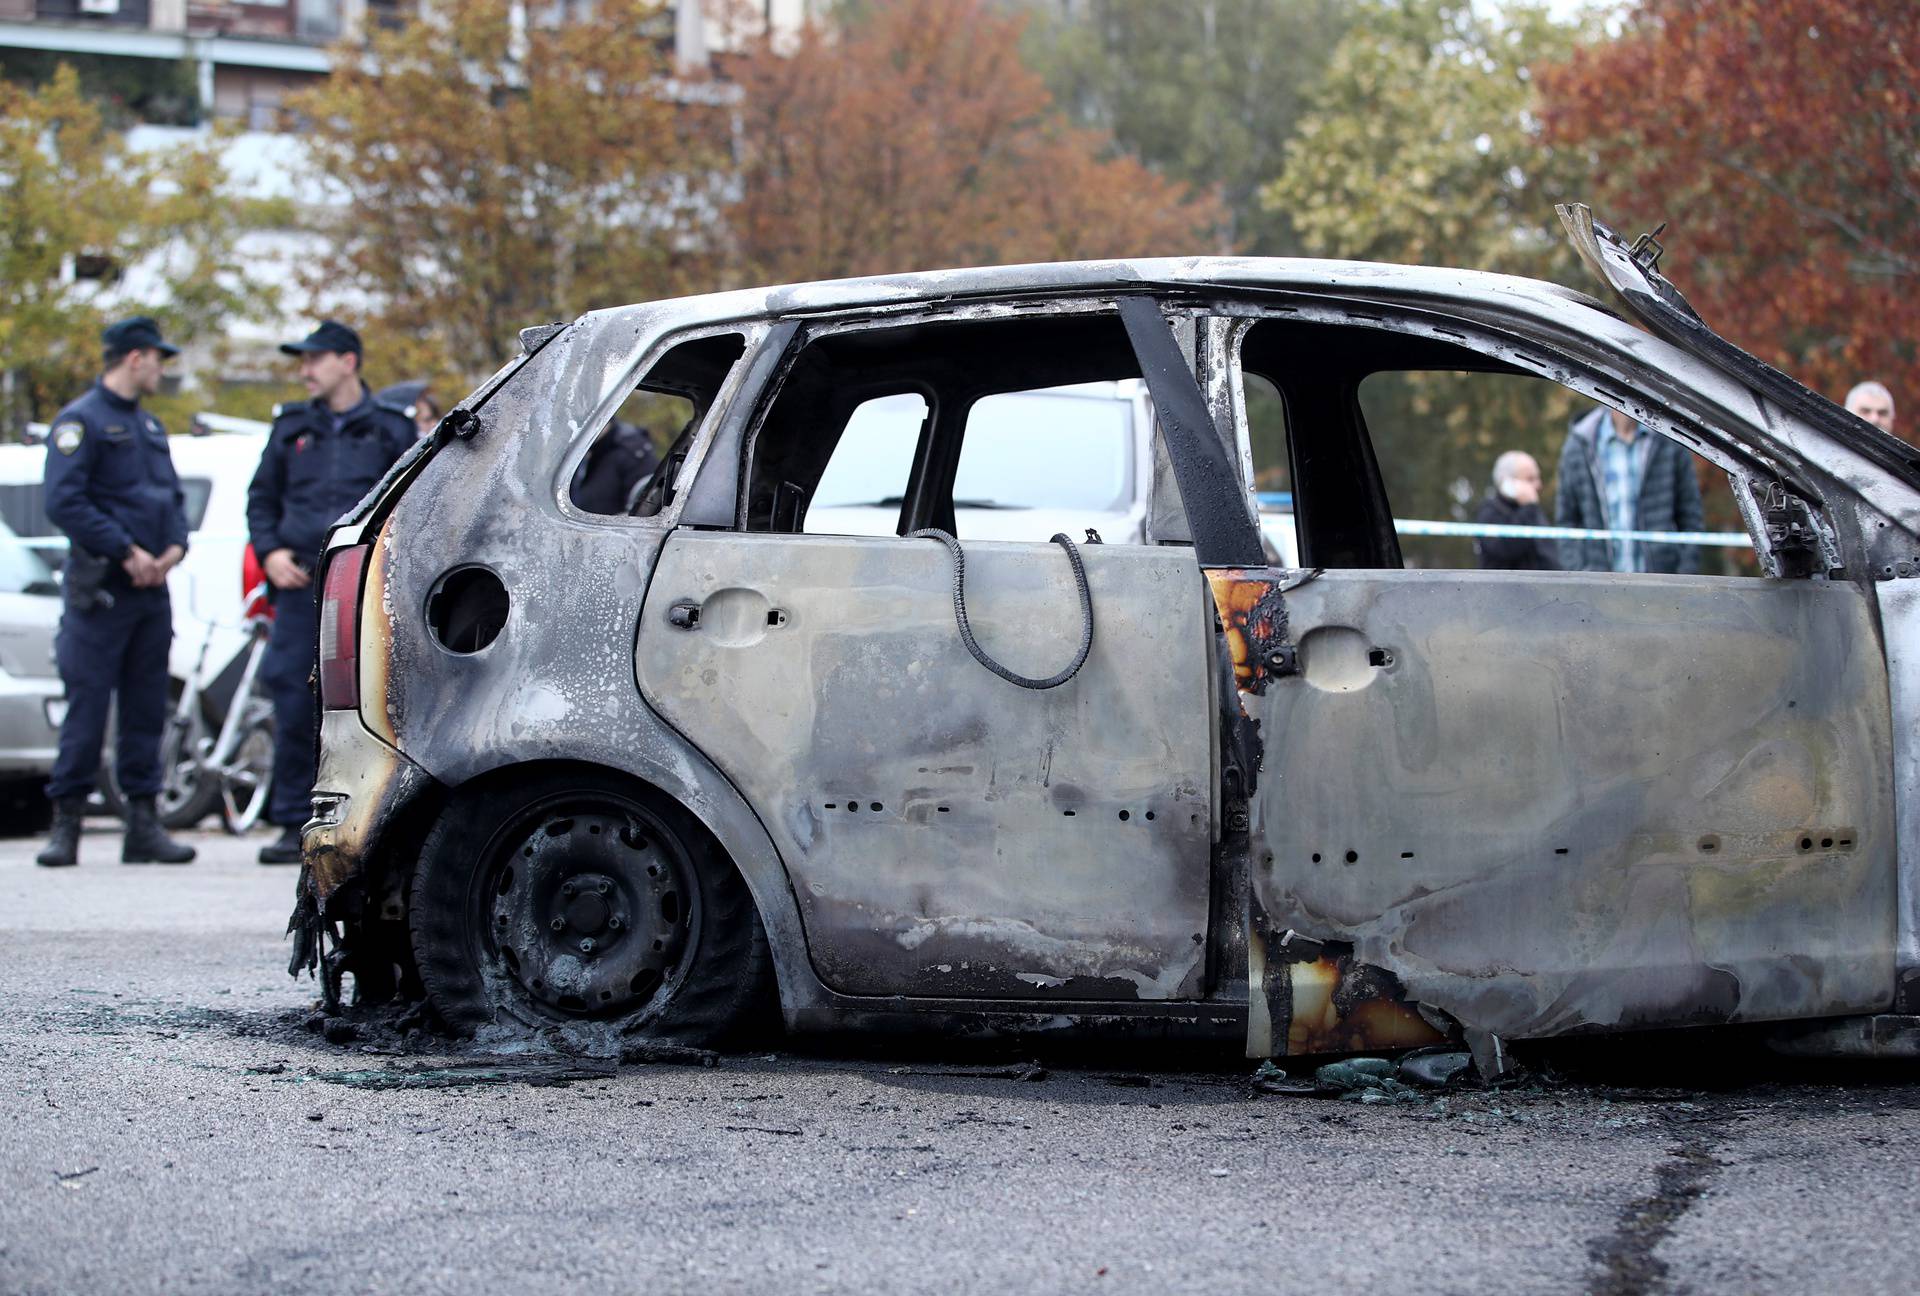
[495, 174]
[1207, 92]
[1781, 140]
[910, 134]
[83, 219]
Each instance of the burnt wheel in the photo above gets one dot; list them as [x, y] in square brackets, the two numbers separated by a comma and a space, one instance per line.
[574, 897]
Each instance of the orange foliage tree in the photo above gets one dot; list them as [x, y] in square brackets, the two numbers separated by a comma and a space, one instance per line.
[1782, 140]
[909, 134]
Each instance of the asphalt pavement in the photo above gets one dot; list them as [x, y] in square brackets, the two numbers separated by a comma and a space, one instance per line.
[167, 1124]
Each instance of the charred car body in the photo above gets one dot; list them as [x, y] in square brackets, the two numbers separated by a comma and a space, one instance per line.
[639, 773]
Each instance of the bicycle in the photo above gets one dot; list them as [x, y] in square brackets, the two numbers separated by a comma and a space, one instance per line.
[231, 768]
[240, 758]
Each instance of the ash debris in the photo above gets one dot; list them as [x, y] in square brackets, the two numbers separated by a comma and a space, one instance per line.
[396, 1028]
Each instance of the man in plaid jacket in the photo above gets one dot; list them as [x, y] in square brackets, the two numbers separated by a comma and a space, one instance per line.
[1618, 475]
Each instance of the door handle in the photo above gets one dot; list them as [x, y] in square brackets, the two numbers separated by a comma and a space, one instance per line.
[684, 615]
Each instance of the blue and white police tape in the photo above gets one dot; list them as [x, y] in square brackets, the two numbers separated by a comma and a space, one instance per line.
[1718, 539]
[1278, 502]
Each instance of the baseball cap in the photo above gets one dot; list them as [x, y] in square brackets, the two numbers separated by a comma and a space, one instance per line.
[135, 333]
[330, 336]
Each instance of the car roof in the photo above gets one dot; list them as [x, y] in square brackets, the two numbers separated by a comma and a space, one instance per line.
[1200, 272]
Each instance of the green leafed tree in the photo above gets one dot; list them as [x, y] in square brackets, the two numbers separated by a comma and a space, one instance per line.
[1422, 144]
[1207, 92]
[82, 220]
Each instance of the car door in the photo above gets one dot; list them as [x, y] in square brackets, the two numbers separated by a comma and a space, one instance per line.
[947, 833]
[1544, 801]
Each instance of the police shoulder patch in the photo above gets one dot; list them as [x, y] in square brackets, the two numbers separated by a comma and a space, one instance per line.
[67, 436]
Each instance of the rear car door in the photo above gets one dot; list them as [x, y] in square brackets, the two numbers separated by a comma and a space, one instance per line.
[949, 834]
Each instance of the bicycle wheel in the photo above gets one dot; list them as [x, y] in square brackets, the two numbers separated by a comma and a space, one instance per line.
[188, 794]
[248, 778]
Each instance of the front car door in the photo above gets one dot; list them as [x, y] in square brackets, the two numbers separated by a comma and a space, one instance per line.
[1534, 802]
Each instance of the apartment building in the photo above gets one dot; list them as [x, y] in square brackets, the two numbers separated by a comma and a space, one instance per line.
[242, 60]
[249, 55]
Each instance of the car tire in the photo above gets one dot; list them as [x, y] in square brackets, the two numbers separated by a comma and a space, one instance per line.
[577, 897]
[24, 808]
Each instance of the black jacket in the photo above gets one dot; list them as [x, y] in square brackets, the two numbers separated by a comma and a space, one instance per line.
[310, 474]
[620, 460]
[1513, 553]
[110, 482]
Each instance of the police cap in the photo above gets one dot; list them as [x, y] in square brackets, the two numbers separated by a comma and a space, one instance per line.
[330, 336]
[134, 334]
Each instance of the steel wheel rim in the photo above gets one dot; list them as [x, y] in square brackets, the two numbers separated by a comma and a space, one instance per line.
[588, 904]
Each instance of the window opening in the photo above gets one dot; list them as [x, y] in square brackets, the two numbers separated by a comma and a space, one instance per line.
[22, 571]
[865, 481]
[1008, 428]
[1468, 451]
[1266, 412]
[633, 465]
[198, 490]
[1392, 441]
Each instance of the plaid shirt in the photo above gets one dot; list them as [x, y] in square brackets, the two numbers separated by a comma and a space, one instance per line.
[1622, 465]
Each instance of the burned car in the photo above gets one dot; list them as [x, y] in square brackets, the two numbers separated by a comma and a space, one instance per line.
[646, 773]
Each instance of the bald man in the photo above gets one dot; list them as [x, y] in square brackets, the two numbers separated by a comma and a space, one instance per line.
[1872, 402]
[1514, 501]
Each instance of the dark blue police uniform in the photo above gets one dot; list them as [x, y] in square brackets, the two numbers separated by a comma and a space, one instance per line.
[110, 485]
[316, 466]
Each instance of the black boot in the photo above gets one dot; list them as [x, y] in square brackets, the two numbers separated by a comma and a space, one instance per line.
[146, 841]
[63, 840]
[284, 849]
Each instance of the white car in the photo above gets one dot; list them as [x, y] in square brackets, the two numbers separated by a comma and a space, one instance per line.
[215, 465]
[215, 468]
[31, 696]
[1099, 436]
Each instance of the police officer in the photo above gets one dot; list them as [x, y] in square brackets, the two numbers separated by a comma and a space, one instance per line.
[111, 487]
[321, 457]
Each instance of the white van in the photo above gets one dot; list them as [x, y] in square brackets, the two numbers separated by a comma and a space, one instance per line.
[1099, 433]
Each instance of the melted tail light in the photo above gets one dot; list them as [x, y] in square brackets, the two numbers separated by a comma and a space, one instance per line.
[340, 629]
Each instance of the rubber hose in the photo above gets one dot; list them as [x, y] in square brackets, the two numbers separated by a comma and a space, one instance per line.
[966, 631]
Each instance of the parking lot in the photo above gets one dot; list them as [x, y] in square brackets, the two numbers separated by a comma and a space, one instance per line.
[171, 1125]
